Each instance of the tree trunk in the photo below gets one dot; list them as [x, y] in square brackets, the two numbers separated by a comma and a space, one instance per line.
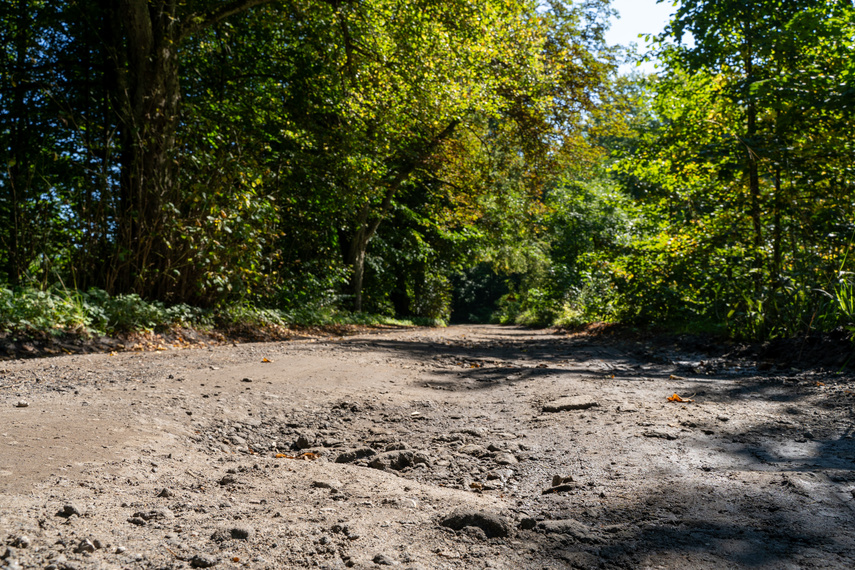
[365, 227]
[17, 191]
[752, 157]
[146, 101]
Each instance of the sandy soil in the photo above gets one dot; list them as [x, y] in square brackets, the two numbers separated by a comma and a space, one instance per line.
[466, 447]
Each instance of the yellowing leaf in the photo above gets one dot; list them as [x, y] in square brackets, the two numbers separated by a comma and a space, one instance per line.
[676, 398]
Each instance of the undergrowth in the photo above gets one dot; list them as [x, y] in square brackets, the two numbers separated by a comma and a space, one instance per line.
[59, 311]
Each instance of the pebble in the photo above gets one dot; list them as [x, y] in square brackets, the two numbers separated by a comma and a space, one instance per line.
[155, 514]
[473, 450]
[395, 460]
[234, 533]
[492, 525]
[506, 459]
[559, 479]
[354, 455]
[305, 441]
[331, 484]
[571, 403]
[563, 488]
[22, 541]
[383, 560]
[204, 561]
[658, 434]
[85, 546]
[22, 404]
[68, 510]
[570, 527]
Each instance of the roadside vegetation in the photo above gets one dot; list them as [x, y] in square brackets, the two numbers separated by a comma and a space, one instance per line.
[262, 163]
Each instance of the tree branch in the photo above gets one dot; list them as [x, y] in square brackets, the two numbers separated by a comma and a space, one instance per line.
[196, 22]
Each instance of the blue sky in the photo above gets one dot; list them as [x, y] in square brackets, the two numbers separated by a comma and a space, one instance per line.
[638, 17]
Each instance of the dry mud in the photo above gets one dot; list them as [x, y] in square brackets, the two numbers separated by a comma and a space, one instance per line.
[466, 447]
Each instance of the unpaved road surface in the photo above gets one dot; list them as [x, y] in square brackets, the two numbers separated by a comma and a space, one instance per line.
[466, 447]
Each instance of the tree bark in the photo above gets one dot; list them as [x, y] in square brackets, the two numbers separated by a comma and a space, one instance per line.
[146, 99]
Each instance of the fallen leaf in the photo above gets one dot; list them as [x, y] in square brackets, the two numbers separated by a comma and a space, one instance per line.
[820, 384]
[307, 455]
[676, 398]
[266, 360]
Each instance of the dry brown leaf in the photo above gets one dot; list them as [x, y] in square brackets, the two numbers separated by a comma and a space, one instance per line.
[676, 398]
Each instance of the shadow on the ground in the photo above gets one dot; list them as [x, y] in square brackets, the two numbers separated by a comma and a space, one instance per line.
[761, 515]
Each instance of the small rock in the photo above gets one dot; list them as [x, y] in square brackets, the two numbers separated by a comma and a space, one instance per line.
[492, 525]
[563, 488]
[137, 521]
[332, 484]
[155, 515]
[527, 523]
[474, 532]
[246, 380]
[570, 527]
[22, 404]
[22, 541]
[166, 493]
[559, 479]
[658, 434]
[68, 511]
[204, 561]
[121, 550]
[355, 455]
[473, 450]
[234, 533]
[395, 460]
[506, 459]
[570, 403]
[383, 560]
[85, 546]
[305, 441]
[228, 479]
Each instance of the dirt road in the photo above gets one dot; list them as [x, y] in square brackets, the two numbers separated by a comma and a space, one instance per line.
[466, 447]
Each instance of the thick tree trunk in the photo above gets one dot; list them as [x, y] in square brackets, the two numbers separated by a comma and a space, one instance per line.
[146, 100]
